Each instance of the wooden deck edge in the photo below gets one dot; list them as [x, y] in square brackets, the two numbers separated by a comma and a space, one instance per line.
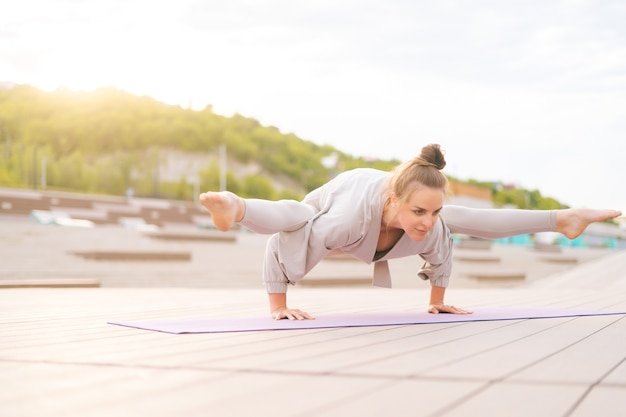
[558, 259]
[134, 256]
[336, 282]
[221, 237]
[545, 247]
[498, 276]
[51, 283]
[478, 258]
[474, 244]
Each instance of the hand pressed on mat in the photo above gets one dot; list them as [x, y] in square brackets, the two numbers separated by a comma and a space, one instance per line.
[437, 305]
[444, 308]
[291, 314]
[279, 309]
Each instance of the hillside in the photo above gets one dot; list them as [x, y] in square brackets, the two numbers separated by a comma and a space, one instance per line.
[109, 141]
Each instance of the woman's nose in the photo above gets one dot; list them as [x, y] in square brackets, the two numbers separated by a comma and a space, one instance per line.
[429, 221]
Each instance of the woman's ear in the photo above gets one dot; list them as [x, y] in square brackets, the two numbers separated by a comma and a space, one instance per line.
[393, 199]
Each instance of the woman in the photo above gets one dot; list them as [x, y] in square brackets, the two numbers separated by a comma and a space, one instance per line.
[376, 216]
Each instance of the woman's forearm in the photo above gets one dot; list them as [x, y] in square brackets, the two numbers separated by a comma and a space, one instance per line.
[437, 295]
[277, 301]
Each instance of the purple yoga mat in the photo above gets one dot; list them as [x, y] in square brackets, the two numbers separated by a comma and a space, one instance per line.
[247, 324]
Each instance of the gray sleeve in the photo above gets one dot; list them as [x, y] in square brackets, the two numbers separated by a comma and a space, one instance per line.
[438, 265]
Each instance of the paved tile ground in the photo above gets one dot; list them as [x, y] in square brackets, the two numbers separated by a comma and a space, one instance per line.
[58, 357]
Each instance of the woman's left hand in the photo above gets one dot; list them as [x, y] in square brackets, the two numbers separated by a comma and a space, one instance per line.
[445, 308]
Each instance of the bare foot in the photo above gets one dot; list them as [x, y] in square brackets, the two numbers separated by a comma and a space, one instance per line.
[225, 207]
[572, 222]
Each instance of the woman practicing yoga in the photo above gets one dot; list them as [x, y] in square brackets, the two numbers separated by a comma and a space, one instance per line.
[376, 216]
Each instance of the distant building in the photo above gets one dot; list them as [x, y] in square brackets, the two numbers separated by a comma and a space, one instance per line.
[469, 195]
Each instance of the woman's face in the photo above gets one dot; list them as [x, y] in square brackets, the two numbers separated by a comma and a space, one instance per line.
[420, 212]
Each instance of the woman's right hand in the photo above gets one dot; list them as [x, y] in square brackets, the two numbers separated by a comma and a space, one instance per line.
[291, 314]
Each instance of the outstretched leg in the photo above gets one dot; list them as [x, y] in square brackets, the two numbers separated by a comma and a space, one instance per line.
[260, 216]
[499, 223]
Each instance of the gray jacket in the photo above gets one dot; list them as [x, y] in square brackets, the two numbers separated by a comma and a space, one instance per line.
[348, 217]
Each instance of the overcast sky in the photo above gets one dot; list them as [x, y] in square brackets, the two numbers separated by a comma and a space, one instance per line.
[531, 92]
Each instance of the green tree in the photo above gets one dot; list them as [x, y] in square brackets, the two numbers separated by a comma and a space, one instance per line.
[257, 186]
